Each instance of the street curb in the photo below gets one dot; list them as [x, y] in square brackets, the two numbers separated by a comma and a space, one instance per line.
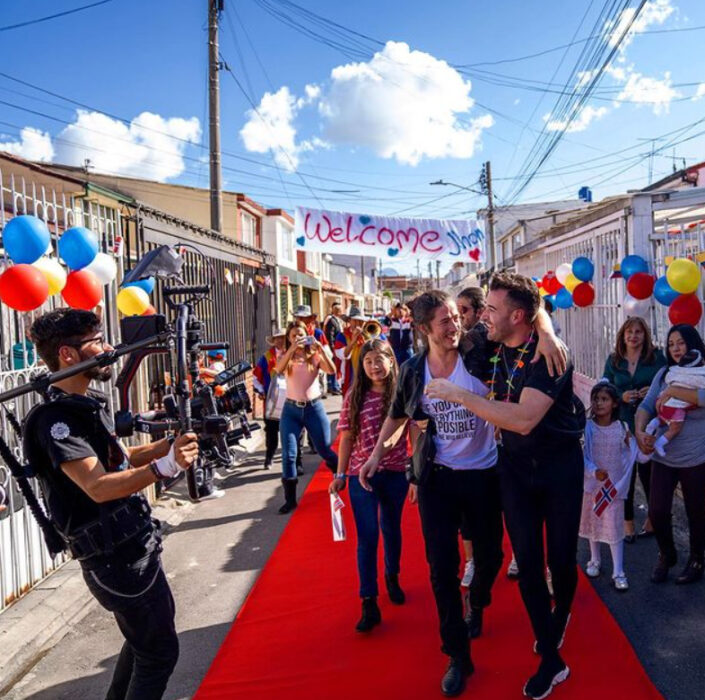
[39, 620]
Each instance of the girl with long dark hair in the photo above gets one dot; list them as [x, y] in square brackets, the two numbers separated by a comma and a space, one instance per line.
[364, 410]
[683, 462]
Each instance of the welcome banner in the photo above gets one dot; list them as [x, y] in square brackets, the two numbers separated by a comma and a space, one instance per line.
[388, 237]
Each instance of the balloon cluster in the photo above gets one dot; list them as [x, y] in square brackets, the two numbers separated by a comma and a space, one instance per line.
[133, 298]
[35, 274]
[570, 285]
[677, 289]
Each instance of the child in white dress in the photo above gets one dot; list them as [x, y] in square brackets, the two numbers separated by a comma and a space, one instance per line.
[610, 452]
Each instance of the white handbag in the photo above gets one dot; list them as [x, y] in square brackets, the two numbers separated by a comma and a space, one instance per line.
[276, 396]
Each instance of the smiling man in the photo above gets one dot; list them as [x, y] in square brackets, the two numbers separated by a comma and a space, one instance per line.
[540, 463]
[454, 468]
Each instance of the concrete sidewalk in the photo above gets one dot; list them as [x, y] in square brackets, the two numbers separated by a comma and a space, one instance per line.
[65, 645]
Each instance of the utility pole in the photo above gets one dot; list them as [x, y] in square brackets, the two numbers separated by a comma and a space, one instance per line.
[215, 7]
[490, 212]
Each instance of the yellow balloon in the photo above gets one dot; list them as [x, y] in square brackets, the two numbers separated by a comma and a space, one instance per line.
[132, 301]
[683, 275]
[571, 282]
[54, 272]
[543, 292]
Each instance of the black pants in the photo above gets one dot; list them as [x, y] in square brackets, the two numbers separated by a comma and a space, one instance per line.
[271, 433]
[663, 484]
[138, 595]
[537, 494]
[444, 499]
[644, 471]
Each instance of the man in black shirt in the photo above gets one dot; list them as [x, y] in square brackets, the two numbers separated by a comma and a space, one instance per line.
[540, 464]
[91, 486]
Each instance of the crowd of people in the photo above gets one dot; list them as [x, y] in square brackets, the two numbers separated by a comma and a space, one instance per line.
[479, 391]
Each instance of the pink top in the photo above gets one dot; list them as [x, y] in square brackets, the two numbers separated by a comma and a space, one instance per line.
[301, 380]
[370, 425]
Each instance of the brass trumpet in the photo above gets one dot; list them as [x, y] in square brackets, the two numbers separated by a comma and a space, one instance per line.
[372, 329]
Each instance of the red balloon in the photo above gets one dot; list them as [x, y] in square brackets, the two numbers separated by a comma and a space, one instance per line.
[686, 308]
[23, 287]
[83, 290]
[641, 285]
[551, 283]
[584, 294]
[150, 311]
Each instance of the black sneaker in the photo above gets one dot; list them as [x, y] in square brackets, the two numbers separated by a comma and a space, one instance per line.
[453, 681]
[473, 619]
[693, 572]
[551, 672]
[663, 564]
[371, 615]
[396, 594]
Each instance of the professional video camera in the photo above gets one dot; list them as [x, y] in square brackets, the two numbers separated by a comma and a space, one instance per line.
[191, 404]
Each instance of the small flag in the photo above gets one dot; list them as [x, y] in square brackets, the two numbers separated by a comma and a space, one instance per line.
[616, 272]
[700, 257]
[336, 514]
[604, 497]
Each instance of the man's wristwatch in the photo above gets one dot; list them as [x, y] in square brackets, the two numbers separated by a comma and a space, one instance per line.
[341, 476]
[155, 470]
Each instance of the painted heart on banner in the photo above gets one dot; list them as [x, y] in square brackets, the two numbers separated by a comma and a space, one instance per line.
[392, 252]
[301, 240]
[475, 254]
[364, 220]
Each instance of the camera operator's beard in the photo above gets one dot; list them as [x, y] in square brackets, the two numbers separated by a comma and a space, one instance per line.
[98, 374]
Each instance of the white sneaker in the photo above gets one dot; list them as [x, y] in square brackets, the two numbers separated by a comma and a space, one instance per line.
[593, 569]
[468, 574]
[213, 495]
[513, 568]
[620, 582]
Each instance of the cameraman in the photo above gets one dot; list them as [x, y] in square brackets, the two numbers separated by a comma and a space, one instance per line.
[91, 486]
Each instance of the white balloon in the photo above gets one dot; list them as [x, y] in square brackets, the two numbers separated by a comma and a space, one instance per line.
[103, 267]
[562, 272]
[636, 307]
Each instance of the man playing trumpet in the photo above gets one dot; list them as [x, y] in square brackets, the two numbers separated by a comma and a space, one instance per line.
[347, 345]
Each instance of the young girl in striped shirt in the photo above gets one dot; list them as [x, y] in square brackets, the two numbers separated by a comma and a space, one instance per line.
[364, 410]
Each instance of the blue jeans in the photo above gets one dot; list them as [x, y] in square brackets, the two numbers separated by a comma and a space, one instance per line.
[333, 383]
[381, 506]
[293, 420]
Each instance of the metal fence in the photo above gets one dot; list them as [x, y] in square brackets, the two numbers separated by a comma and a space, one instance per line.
[23, 557]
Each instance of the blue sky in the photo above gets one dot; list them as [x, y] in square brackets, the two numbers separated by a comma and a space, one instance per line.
[361, 125]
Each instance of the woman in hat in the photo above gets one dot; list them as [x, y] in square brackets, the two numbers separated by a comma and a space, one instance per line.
[262, 378]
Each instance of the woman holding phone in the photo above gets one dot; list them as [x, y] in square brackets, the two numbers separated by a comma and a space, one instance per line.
[303, 358]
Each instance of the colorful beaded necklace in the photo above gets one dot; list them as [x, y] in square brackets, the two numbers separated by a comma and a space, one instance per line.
[519, 364]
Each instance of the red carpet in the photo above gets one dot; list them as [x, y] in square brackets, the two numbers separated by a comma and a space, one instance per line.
[294, 636]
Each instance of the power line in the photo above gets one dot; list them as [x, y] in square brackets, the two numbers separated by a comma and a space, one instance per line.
[54, 16]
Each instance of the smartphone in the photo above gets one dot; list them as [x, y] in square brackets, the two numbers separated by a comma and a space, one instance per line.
[309, 340]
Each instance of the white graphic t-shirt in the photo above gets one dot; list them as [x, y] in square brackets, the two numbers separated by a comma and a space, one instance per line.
[463, 440]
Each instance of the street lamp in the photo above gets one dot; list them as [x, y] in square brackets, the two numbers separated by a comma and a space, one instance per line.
[460, 187]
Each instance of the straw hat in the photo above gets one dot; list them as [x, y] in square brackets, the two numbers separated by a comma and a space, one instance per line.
[278, 333]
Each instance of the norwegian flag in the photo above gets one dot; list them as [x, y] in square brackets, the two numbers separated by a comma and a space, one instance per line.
[604, 497]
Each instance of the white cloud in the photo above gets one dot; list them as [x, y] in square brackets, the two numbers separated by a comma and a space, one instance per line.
[699, 92]
[642, 89]
[402, 104]
[270, 127]
[33, 145]
[150, 147]
[587, 115]
[653, 12]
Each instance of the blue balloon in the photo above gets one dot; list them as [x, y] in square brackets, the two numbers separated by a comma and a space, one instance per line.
[147, 284]
[583, 269]
[663, 292]
[564, 299]
[77, 247]
[25, 239]
[633, 264]
[551, 299]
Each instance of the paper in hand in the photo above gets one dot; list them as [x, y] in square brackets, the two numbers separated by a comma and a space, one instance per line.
[336, 514]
